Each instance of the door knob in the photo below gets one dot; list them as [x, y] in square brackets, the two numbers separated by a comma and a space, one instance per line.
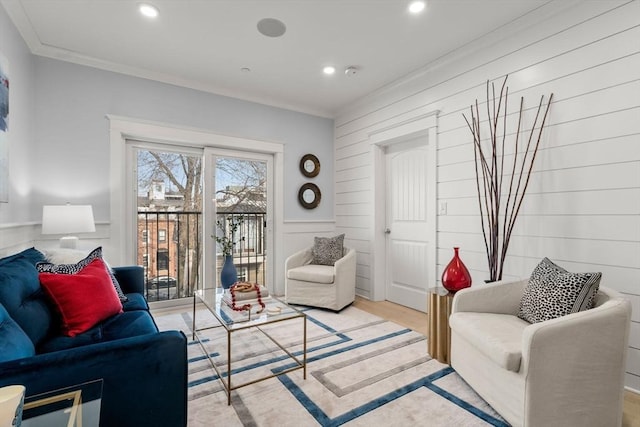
[387, 231]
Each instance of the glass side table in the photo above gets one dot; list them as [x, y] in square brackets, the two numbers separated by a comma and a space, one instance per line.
[78, 405]
[439, 309]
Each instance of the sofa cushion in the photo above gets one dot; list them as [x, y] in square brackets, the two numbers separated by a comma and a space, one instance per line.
[134, 302]
[83, 299]
[123, 325]
[130, 324]
[327, 250]
[77, 265]
[33, 255]
[497, 336]
[553, 292]
[313, 273]
[14, 343]
[21, 295]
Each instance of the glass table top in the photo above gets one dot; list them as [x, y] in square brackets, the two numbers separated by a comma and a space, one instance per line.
[217, 300]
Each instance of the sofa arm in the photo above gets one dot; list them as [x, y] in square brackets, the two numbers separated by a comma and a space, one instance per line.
[130, 278]
[144, 377]
[501, 297]
[298, 259]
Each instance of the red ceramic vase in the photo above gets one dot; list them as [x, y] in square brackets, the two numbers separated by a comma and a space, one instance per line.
[456, 276]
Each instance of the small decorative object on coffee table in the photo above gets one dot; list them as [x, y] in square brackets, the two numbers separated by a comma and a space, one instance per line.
[455, 275]
[246, 293]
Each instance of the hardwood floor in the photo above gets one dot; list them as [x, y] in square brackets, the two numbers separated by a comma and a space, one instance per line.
[417, 321]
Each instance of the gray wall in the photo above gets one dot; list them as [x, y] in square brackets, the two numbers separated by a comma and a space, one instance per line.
[71, 160]
[21, 122]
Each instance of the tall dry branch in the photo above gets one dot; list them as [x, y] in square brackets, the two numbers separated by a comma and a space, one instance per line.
[493, 169]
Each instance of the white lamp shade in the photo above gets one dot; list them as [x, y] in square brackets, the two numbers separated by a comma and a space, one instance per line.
[11, 403]
[67, 219]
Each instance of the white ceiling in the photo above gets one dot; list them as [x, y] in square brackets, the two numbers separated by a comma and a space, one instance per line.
[203, 44]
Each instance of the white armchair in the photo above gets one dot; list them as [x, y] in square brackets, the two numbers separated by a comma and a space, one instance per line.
[327, 286]
[567, 371]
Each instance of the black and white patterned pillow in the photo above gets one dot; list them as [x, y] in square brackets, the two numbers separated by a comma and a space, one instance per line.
[553, 292]
[327, 250]
[48, 267]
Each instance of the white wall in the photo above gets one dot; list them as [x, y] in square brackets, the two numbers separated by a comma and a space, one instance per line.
[20, 132]
[59, 148]
[583, 204]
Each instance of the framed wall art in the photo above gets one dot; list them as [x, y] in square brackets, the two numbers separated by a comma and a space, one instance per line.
[4, 130]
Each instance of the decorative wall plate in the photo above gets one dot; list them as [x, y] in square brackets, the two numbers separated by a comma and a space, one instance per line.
[309, 196]
[309, 165]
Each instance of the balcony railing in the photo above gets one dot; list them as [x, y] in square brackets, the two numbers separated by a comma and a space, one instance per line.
[170, 250]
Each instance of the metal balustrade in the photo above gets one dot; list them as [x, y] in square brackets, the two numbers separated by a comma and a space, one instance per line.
[170, 250]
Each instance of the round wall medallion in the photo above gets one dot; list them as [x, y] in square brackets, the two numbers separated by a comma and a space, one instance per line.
[309, 165]
[309, 196]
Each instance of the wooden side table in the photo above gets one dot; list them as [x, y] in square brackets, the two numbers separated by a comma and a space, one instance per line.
[439, 303]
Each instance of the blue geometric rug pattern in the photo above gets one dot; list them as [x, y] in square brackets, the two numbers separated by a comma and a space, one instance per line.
[361, 371]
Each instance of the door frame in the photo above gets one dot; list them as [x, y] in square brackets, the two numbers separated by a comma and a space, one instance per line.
[424, 126]
[122, 129]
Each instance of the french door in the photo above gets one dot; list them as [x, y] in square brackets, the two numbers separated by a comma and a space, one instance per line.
[180, 195]
[239, 190]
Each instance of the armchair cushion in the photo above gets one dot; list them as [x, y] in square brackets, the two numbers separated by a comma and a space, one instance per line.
[553, 292]
[327, 250]
[313, 273]
[497, 336]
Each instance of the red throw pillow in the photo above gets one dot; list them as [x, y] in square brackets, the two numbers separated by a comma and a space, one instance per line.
[83, 299]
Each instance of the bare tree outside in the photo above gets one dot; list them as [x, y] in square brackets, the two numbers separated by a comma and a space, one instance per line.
[170, 187]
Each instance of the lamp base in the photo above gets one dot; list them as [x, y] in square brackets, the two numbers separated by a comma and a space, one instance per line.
[69, 242]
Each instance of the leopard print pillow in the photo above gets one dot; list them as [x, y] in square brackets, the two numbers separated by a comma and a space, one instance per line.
[553, 292]
[327, 250]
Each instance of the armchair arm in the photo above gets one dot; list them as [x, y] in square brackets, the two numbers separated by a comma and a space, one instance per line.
[501, 297]
[345, 268]
[346, 263]
[579, 360]
[298, 259]
[144, 377]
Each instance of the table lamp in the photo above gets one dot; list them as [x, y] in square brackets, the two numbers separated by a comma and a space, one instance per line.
[11, 404]
[67, 219]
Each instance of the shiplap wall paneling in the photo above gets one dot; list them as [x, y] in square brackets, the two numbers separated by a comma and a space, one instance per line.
[583, 204]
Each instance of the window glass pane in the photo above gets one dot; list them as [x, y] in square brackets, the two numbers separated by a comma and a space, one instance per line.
[169, 209]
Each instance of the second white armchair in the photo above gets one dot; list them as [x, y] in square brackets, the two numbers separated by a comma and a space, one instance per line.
[326, 286]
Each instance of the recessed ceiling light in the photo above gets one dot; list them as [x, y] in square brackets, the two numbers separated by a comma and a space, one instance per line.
[329, 69]
[148, 10]
[416, 7]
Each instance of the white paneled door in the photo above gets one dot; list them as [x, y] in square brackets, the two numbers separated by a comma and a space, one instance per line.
[407, 224]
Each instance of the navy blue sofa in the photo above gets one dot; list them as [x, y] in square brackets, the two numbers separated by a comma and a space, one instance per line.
[144, 371]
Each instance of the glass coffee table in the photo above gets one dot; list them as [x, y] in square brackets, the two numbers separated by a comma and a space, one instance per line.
[232, 321]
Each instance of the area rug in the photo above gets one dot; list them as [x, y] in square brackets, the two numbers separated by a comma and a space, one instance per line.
[361, 371]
